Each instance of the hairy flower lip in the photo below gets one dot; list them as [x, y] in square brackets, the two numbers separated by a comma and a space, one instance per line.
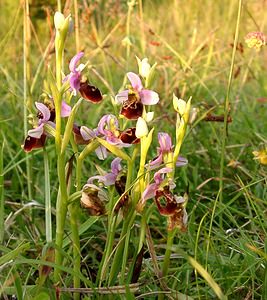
[31, 143]
[133, 100]
[90, 92]
[128, 136]
[132, 108]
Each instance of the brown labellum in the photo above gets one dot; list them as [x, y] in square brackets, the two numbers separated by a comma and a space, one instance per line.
[90, 92]
[31, 143]
[120, 188]
[166, 201]
[128, 136]
[132, 108]
[79, 140]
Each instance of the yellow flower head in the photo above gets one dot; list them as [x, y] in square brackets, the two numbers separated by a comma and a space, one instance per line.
[255, 40]
[261, 155]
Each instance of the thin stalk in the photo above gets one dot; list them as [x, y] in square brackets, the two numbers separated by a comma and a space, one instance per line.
[128, 31]
[61, 212]
[126, 246]
[166, 260]
[107, 252]
[48, 222]
[2, 199]
[59, 7]
[62, 201]
[143, 37]
[76, 25]
[74, 217]
[26, 98]
[227, 104]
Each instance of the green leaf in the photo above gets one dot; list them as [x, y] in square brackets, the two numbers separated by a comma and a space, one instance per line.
[115, 150]
[68, 129]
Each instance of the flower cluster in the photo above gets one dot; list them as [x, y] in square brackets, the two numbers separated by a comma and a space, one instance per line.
[255, 40]
[112, 135]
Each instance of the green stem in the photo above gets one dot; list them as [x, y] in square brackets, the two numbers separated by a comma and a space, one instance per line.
[124, 236]
[166, 260]
[48, 222]
[76, 26]
[26, 98]
[61, 212]
[74, 216]
[227, 105]
[59, 5]
[2, 199]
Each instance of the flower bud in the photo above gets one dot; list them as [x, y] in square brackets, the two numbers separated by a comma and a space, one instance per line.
[141, 128]
[144, 67]
[179, 105]
[59, 20]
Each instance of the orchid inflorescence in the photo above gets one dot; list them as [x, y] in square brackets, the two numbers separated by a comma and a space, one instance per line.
[132, 103]
[122, 136]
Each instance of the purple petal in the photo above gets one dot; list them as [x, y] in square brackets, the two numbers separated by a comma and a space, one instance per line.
[74, 80]
[181, 161]
[105, 120]
[91, 179]
[44, 110]
[37, 132]
[101, 152]
[157, 176]
[121, 97]
[65, 109]
[135, 81]
[149, 192]
[156, 162]
[74, 61]
[108, 179]
[87, 133]
[165, 142]
[116, 166]
[112, 139]
[149, 97]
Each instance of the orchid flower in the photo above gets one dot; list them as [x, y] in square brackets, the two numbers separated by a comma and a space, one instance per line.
[108, 130]
[109, 178]
[37, 136]
[174, 205]
[132, 100]
[151, 189]
[74, 77]
[87, 135]
[87, 91]
[165, 147]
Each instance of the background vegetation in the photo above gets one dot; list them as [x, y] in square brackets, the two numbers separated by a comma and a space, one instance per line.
[192, 42]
